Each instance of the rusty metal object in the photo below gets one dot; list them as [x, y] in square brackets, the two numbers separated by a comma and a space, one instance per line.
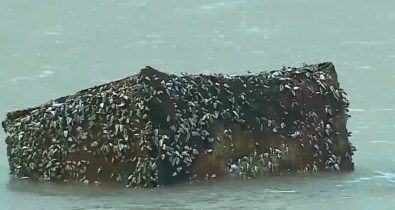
[154, 129]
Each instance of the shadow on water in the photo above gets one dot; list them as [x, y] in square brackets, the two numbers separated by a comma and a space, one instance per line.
[289, 183]
[62, 189]
[220, 194]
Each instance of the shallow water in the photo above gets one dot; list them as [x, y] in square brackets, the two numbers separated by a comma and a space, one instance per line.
[52, 48]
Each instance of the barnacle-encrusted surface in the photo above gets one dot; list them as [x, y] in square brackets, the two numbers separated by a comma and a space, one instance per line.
[156, 129]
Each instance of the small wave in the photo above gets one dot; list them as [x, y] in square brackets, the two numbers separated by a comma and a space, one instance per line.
[384, 109]
[382, 142]
[279, 191]
[53, 33]
[357, 110]
[353, 181]
[385, 175]
[42, 74]
[45, 73]
[17, 79]
[359, 180]
[378, 141]
[363, 67]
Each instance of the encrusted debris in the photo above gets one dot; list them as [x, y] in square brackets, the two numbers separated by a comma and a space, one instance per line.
[155, 129]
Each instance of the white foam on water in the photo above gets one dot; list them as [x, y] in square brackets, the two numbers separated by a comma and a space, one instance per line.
[359, 180]
[279, 191]
[363, 67]
[354, 181]
[357, 110]
[378, 141]
[384, 109]
[386, 175]
[219, 5]
[18, 79]
[53, 33]
[42, 74]
[45, 73]
[382, 142]
[48, 72]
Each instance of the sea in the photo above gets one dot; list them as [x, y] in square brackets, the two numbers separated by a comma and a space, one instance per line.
[49, 49]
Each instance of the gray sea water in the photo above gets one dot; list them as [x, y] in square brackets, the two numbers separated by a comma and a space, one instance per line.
[52, 48]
